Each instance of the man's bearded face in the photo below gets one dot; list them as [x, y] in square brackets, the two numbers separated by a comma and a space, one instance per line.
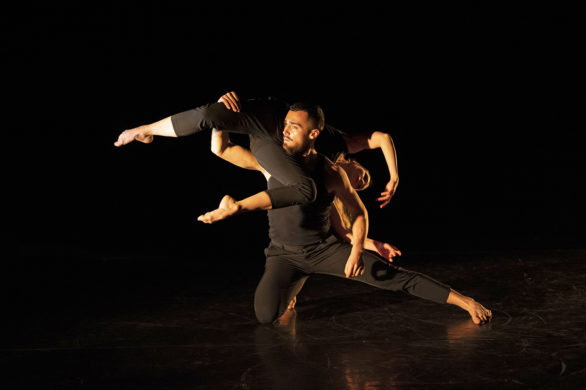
[296, 137]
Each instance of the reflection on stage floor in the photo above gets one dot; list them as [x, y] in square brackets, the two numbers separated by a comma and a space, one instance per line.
[176, 323]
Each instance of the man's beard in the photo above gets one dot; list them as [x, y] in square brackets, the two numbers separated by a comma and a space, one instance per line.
[294, 150]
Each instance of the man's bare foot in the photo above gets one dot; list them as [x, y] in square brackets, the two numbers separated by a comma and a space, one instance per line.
[478, 313]
[228, 207]
[287, 319]
[137, 134]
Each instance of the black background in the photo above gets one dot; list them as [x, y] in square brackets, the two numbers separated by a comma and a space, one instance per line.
[486, 108]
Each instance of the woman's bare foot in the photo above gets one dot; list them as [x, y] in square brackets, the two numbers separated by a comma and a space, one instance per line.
[478, 313]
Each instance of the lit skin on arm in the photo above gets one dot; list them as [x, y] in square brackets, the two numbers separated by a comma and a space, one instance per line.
[387, 251]
[239, 156]
[337, 183]
[355, 143]
[233, 153]
[376, 140]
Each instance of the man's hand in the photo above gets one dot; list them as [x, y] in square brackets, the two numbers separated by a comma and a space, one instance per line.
[354, 266]
[136, 134]
[231, 101]
[227, 208]
[387, 251]
[388, 193]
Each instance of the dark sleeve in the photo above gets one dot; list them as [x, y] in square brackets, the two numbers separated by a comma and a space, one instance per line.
[298, 187]
[331, 143]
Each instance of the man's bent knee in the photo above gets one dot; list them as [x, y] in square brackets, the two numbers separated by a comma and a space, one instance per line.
[265, 315]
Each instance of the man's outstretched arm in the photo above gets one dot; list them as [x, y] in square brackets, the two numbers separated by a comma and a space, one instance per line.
[384, 142]
[224, 148]
[241, 157]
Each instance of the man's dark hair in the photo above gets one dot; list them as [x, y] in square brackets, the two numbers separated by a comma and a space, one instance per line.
[314, 113]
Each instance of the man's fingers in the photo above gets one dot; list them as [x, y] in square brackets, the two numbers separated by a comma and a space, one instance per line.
[233, 104]
[385, 203]
[233, 95]
[234, 98]
[226, 103]
[231, 101]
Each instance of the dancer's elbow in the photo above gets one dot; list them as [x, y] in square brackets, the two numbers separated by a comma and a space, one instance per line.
[308, 192]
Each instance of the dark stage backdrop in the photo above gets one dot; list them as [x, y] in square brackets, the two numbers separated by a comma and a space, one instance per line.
[485, 107]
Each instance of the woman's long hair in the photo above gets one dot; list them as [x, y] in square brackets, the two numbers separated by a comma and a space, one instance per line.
[346, 218]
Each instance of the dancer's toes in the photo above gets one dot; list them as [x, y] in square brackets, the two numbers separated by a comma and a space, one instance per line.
[479, 313]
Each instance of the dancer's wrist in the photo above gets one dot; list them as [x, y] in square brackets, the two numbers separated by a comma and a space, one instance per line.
[357, 248]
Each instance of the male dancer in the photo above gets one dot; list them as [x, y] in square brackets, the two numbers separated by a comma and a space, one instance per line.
[301, 240]
[263, 121]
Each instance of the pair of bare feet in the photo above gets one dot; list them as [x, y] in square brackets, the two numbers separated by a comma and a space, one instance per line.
[478, 313]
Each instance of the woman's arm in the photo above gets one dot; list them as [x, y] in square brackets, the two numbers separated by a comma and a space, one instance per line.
[376, 140]
[385, 250]
[340, 231]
